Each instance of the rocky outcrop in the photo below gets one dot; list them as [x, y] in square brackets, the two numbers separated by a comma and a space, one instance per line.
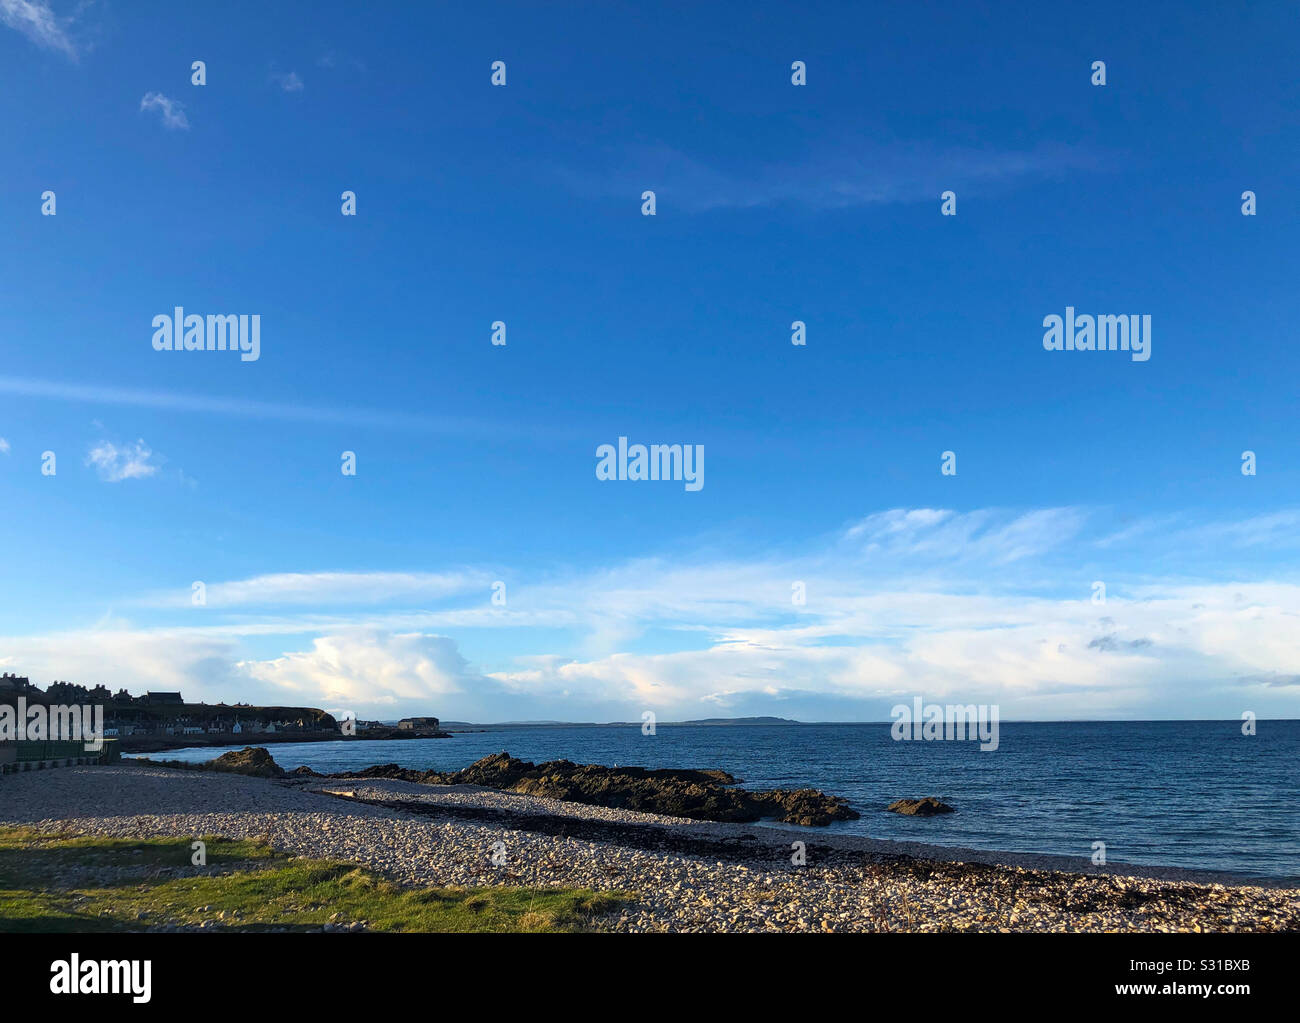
[251, 760]
[927, 807]
[254, 761]
[695, 794]
[809, 807]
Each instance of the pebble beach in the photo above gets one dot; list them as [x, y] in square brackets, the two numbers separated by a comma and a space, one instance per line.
[687, 876]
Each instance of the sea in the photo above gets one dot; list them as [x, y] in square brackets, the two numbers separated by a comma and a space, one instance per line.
[1193, 794]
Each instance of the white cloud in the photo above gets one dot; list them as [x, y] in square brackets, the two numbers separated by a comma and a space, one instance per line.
[121, 656]
[38, 22]
[369, 668]
[172, 111]
[4, 446]
[289, 82]
[1207, 650]
[371, 671]
[943, 604]
[318, 588]
[115, 464]
[1188, 651]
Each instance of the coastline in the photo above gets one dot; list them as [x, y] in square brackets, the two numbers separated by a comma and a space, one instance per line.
[688, 875]
[765, 840]
[1045, 842]
[134, 744]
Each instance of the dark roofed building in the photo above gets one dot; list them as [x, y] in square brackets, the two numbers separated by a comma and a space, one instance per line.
[163, 698]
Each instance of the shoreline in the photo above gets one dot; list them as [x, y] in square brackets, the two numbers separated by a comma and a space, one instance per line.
[823, 834]
[686, 875]
[132, 745]
[721, 838]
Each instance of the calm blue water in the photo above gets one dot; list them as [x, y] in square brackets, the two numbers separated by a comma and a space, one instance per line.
[1193, 794]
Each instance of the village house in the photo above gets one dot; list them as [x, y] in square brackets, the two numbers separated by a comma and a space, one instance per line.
[15, 684]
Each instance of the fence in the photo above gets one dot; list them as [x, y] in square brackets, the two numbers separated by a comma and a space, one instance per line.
[34, 755]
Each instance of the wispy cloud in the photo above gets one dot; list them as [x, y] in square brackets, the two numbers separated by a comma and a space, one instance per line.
[892, 605]
[983, 535]
[1144, 527]
[249, 409]
[172, 111]
[4, 446]
[38, 22]
[1272, 681]
[355, 589]
[116, 463]
[1275, 529]
[288, 81]
[1212, 651]
[331, 59]
[829, 180]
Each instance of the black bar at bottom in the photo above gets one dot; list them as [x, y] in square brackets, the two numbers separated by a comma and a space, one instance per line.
[360, 971]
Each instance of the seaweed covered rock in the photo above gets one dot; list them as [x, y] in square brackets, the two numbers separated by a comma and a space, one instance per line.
[927, 807]
[251, 760]
[695, 794]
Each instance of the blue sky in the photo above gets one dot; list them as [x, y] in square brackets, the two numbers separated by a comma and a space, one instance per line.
[775, 203]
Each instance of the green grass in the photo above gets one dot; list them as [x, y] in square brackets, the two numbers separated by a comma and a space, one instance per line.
[69, 883]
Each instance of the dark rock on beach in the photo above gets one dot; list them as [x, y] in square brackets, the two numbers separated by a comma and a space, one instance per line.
[253, 761]
[927, 807]
[695, 794]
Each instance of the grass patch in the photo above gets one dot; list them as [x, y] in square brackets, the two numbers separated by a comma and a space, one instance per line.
[69, 883]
